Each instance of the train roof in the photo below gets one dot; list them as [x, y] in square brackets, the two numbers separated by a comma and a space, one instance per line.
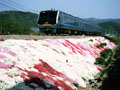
[62, 12]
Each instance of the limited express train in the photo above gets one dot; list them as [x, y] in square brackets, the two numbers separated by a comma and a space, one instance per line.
[58, 22]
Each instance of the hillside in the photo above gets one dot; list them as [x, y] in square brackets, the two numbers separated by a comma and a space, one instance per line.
[97, 21]
[110, 27]
[8, 26]
[25, 18]
[69, 65]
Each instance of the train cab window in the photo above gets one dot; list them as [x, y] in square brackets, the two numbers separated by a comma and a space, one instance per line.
[47, 17]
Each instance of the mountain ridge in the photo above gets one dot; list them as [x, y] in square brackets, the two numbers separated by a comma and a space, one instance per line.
[97, 20]
[25, 18]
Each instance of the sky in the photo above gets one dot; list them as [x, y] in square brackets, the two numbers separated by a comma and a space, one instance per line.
[101, 9]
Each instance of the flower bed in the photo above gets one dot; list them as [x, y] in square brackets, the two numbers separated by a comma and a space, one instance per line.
[53, 64]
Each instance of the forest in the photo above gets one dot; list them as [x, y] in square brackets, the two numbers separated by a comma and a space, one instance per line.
[17, 22]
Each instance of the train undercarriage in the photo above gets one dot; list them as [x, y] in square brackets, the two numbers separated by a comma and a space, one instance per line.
[51, 31]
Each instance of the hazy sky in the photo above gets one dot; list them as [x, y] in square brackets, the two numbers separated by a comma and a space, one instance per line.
[80, 8]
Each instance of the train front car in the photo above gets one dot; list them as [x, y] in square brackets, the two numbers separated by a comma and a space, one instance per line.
[47, 22]
[58, 22]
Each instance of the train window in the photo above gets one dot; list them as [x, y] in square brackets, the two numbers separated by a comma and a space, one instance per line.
[76, 23]
[59, 19]
[47, 17]
[65, 20]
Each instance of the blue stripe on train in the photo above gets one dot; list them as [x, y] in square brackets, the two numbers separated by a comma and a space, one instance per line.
[46, 26]
[66, 25]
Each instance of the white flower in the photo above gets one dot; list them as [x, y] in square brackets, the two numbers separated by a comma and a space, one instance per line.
[72, 57]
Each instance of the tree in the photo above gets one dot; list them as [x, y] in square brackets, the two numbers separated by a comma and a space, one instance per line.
[8, 26]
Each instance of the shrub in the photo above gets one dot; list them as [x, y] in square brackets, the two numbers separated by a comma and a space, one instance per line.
[91, 40]
[108, 61]
[105, 53]
[104, 72]
[100, 60]
[102, 45]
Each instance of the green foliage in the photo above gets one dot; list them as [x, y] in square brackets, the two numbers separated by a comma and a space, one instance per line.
[111, 73]
[104, 72]
[113, 39]
[112, 79]
[76, 84]
[105, 58]
[110, 27]
[91, 40]
[116, 39]
[100, 60]
[25, 18]
[108, 62]
[97, 21]
[102, 45]
[8, 26]
[105, 53]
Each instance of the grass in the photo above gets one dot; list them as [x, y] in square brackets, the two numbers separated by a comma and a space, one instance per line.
[116, 39]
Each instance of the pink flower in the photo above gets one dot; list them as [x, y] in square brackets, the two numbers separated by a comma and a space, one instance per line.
[2, 56]
[5, 66]
[1, 39]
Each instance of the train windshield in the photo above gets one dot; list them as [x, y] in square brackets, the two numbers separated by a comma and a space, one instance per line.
[47, 17]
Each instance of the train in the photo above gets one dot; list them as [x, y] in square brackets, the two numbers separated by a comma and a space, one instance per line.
[59, 22]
